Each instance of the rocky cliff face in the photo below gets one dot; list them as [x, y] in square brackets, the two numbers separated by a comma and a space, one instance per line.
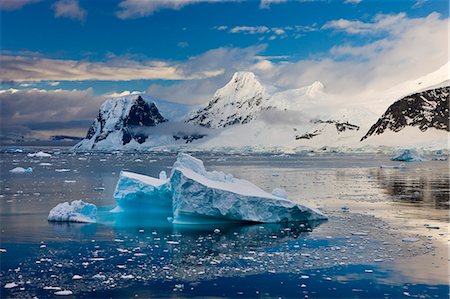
[426, 109]
[118, 120]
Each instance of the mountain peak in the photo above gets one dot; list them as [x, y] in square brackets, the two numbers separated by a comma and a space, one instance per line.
[235, 103]
[243, 76]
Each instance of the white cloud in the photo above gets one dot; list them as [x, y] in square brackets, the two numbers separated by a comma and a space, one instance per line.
[220, 28]
[419, 3]
[380, 23]
[352, 1]
[23, 107]
[183, 45]
[131, 9]
[15, 4]
[273, 32]
[267, 3]
[69, 9]
[414, 47]
[250, 29]
[21, 68]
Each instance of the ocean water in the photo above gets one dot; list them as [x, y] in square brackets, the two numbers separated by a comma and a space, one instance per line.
[386, 237]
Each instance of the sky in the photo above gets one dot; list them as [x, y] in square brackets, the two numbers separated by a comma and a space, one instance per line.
[61, 59]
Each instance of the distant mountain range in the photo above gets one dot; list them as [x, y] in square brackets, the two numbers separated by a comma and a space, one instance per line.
[244, 114]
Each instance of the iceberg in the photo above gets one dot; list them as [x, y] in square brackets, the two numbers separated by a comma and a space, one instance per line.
[202, 195]
[137, 192]
[21, 170]
[408, 155]
[194, 196]
[76, 211]
[39, 155]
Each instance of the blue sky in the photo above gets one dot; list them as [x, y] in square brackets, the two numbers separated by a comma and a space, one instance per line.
[184, 50]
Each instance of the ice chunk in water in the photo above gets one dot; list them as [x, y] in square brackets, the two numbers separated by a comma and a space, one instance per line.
[408, 155]
[21, 170]
[137, 192]
[76, 211]
[39, 155]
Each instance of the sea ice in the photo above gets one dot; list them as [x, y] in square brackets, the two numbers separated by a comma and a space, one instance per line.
[76, 211]
[408, 155]
[39, 155]
[21, 170]
[137, 192]
[199, 196]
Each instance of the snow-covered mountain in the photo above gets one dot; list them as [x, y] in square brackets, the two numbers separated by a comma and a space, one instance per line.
[116, 119]
[426, 109]
[247, 114]
[237, 102]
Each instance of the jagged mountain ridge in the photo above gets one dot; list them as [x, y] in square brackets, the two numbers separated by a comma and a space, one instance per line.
[426, 109]
[117, 117]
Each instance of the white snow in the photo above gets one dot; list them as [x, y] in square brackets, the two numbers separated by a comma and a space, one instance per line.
[21, 170]
[76, 211]
[196, 195]
[408, 155]
[39, 155]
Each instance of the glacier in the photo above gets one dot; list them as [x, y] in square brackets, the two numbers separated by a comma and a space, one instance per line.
[195, 196]
[408, 155]
[76, 211]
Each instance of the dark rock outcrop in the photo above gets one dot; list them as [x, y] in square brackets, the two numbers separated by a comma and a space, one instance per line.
[426, 109]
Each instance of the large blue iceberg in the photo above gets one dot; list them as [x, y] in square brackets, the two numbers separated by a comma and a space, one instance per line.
[195, 195]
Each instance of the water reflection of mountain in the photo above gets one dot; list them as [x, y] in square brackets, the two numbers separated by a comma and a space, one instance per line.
[419, 187]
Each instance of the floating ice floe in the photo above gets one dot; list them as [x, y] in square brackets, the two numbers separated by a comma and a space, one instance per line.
[408, 155]
[76, 211]
[199, 196]
[21, 170]
[39, 155]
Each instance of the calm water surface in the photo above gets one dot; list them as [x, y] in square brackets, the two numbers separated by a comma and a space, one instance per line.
[387, 235]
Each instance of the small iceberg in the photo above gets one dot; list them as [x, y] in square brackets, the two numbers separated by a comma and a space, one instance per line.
[39, 155]
[408, 155]
[194, 195]
[76, 211]
[21, 170]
